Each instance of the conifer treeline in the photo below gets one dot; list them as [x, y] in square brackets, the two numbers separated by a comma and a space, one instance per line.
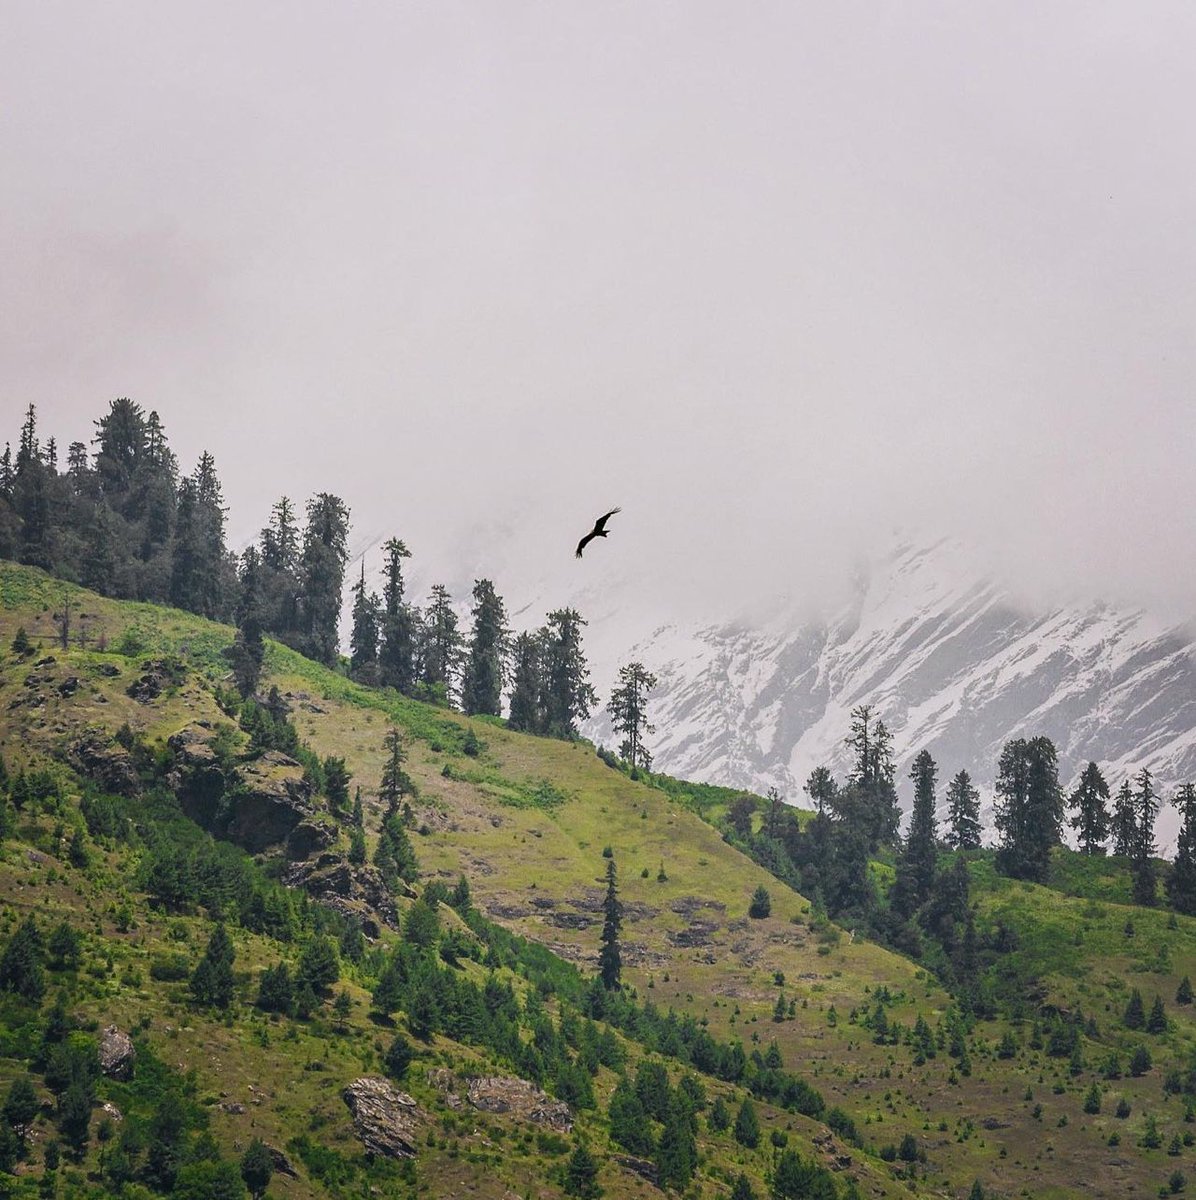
[123, 521]
[926, 911]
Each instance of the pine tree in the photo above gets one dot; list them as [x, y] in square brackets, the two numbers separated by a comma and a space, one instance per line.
[760, 905]
[747, 1125]
[322, 576]
[319, 967]
[357, 847]
[199, 567]
[798, 1178]
[276, 990]
[74, 1117]
[32, 485]
[872, 809]
[610, 960]
[915, 873]
[821, 787]
[248, 651]
[581, 1174]
[100, 557]
[526, 714]
[399, 1057]
[363, 642]
[1135, 1012]
[1181, 881]
[742, 1188]
[1142, 866]
[1091, 802]
[566, 691]
[280, 567]
[394, 855]
[481, 687]
[1157, 1021]
[155, 482]
[212, 979]
[440, 646]
[1140, 1063]
[963, 813]
[1029, 807]
[1125, 821]
[396, 654]
[395, 781]
[21, 964]
[21, 1106]
[357, 832]
[7, 472]
[629, 1121]
[336, 783]
[121, 441]
[676, 1149]
[628, 713]
[257, 1167]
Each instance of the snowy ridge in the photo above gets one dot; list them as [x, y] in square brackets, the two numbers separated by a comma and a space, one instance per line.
[948, 660]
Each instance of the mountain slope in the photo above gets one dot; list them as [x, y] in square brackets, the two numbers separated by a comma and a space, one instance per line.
[527, 821]
[949, 661]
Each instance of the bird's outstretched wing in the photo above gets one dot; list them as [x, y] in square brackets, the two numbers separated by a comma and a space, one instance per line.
[585, 541]
[600, 524]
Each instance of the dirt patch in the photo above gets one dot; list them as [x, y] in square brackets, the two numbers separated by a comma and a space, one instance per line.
[568, 920]
[699, 933]
[689, 906]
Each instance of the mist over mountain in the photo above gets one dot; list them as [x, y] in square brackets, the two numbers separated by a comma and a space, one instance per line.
[950, 659]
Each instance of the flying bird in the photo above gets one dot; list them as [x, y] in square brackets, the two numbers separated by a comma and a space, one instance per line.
[599, 530]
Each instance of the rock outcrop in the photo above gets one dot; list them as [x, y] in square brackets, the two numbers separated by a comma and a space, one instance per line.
[519, 1098]
[357, 891]
[98, 757]
[116, 1053]
[258, 804]
[191, 746]
[158, 675]
[310, 837]
[384, 1118]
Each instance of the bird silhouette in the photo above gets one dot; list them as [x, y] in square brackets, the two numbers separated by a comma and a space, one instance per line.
[599, 530]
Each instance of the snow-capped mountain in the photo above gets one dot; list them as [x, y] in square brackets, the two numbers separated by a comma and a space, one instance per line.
[948, 659]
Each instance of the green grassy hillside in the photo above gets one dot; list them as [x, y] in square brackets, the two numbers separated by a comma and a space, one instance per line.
[530, 823]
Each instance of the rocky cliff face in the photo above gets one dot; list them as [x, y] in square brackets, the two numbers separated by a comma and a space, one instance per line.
[948, 659]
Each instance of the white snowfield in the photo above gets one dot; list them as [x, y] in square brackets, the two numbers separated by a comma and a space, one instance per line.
[948, 660]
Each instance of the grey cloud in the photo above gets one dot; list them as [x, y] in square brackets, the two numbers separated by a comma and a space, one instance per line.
[773, 277]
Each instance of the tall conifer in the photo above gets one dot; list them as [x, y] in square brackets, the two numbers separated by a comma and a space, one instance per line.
[915, 876]
[1181, 882]
[963, 813]
[481, 687]
[322, 572]
[525, 713]
[396, 653]
[628, 713]
[610, 958]
[363, 642]
[1125, 821]
[1142, 866]
[1029, 807]
[1091, 802]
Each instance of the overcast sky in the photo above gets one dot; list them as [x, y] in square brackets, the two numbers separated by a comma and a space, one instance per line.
[773, 277]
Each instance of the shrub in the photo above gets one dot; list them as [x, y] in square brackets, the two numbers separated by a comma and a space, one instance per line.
[170, 968]
[761, 904]
[398, 1057]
